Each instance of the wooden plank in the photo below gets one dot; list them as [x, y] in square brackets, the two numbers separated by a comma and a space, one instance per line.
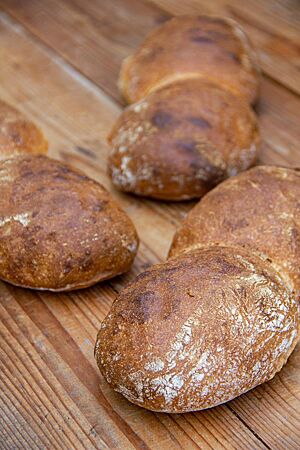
[47, 345]
[92, 36]
[272, 26]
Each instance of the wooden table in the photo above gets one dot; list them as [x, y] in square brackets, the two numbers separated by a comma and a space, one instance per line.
[59, 64]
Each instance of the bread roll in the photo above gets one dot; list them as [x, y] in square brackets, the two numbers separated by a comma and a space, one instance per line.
[18, 134]
[258, 210]
[59, 230]
[214, 49]
[222, 314]
[198, 330]
[182, 140]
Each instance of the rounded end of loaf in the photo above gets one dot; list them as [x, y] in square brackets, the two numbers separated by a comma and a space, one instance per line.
[198, 330]
[59, 229]
[214, 49]
[19, 135]
[181, 141]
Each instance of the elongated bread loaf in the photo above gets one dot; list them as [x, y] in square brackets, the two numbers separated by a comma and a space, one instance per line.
[221, 316]
[59, 230]
[191, 127]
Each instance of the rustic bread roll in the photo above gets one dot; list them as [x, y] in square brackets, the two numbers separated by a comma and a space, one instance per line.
[258, 209]
[193, 79]
[211, 48]
[219, 317]
[18, 134]
[182, 140]
[198, 330]
[59, 230]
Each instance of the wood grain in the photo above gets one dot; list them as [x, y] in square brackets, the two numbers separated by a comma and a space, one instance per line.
[61, 64]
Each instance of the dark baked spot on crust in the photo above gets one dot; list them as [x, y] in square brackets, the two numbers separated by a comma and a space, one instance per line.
[26, 173]
[162, 119]
[235, 225]
[140, 308]
[224, 267]
[59, 177]
[52, 236]
[235, 57]
[64, 170]
[144, 305]
[68, 266]
[202, 39]
[143, 275]
[199, 122]
[199, 162]
[188, 146]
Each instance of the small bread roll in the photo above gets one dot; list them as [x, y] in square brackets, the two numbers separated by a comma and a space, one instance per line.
[181, 141]
[258, 210]
[59, 230]
[198, 330]
[211, 48]
[18, 134]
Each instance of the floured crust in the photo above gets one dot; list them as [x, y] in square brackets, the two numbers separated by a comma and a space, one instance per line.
[258, 209]
[211, 48]
[181, 141]
[198, 330]
[59, 230]
[18, 134]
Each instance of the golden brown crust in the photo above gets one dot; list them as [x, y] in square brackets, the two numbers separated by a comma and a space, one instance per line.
[18, 134]
[212, 48]
[259, 209]
[181, 141]
[198, 330]
[59, 230]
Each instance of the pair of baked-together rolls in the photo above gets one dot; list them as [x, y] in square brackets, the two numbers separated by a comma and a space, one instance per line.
[59, 230]
[190, 125]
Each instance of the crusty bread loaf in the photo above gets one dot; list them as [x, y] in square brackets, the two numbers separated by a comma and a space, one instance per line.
[182, 140]
[198, 330]
[18, 134]
[258, 209]
[192, 79]
[211, 48]
[59, 230]
[219, 317]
